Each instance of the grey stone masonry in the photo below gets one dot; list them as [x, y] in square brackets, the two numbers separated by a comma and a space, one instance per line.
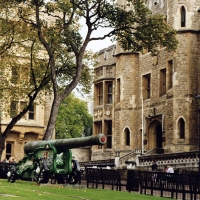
[153, 104]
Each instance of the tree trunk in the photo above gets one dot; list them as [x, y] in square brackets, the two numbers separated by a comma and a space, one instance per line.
[2, 144]
[52, 119]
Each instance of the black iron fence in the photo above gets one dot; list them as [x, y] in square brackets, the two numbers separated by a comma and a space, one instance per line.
[180, 186]
[4, 169]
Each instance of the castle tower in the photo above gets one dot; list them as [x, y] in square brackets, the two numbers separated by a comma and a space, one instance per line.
[153, 105]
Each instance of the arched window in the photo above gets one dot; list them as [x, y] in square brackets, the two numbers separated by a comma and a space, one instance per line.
[127, 137]
[183, 16]
[181, 128]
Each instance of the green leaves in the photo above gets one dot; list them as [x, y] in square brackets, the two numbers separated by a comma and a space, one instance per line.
[139, 29]
[73, 118]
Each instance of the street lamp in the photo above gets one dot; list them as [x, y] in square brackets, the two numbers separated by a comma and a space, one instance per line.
[197, 98]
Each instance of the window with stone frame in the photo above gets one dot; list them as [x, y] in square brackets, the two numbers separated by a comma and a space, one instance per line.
[13, 109]
[170, 74]
[15, 75]
[127, 137]
[109, 134]
[109, 92]
[99, 71]
[162, 82]
[118, 89]
[98, 130]
[9, 149]
[100, 93]
[21, 75]
[109, 71]
[31, 113]
[181, 128]
[23, 104]
[146, 86]
[32, 80]
[183, 16]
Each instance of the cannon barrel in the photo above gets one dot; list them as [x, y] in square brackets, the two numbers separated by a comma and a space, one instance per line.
[63, 144]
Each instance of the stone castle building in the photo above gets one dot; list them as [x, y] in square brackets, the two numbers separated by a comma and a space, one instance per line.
[144, 103]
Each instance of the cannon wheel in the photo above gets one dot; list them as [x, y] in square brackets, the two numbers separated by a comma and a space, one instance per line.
[59, 178]
[75, 175]
[12, 178]
[41, 171]
[73, 178]
[13, 175]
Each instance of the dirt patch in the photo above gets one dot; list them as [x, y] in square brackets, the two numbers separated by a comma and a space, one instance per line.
[7, 195]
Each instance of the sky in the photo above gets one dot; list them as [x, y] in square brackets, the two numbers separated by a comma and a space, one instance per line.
[95, 46]
[98, 44]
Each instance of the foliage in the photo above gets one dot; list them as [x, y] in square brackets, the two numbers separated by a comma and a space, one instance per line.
[25, 73]
[142, 30]
[73, 118]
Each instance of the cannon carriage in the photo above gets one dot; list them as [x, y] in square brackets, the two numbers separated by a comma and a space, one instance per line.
[52, 158]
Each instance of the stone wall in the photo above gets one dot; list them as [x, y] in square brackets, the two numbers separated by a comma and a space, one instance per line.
[81, 154]
[160, 113]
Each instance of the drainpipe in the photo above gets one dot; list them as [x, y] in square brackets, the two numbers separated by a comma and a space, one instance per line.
[162, 122]
[142, 128]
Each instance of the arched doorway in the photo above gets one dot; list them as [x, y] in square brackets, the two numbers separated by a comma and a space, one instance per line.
[155, 135]
[158, 130]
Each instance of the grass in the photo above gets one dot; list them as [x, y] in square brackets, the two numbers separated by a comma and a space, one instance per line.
[31, 191]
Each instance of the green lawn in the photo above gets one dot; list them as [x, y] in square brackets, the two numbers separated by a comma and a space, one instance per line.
[32, 191]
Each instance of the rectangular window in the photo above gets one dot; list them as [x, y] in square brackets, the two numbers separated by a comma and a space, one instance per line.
[9, 149]
[162, 82]
[23, 104]
[31, 113]
[13, 109]
[170, 74]
[146, 80]
[32, 81]
[98, 128]
[100, 94]
[109, 134]
[15, 75]
[109, 93]
[118, 90]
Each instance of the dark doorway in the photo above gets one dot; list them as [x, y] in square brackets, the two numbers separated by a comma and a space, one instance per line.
[158, 136]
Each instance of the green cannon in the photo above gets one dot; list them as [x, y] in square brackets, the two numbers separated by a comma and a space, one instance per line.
[52, 158]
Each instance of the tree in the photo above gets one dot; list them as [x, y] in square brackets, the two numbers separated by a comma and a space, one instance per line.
[25, 69]
[73, 118]
[25, 75]
[57, 28]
